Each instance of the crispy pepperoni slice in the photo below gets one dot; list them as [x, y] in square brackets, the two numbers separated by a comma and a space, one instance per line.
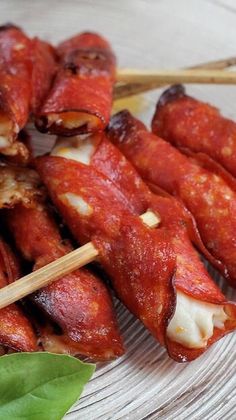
[198, 126]
[81, 97]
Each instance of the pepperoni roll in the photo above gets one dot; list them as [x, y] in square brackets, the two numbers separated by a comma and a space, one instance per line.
[194, 325]
[206, 195]
[80, 100]
[79, 303]
[197, 126]
[15, 86]
[26, 71]
[16, 331]
[138, 259]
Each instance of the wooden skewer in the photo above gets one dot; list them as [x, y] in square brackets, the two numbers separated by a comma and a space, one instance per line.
[59, 268]
[123, 90]
[216, 65]
[176, 76]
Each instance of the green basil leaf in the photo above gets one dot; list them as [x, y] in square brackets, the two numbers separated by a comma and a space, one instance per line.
[40, 386]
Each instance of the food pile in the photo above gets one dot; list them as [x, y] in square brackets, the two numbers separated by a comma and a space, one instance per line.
[101, 175]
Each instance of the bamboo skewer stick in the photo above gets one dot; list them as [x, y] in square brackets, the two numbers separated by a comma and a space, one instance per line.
[59, 268]
[176, 76]
[128, 89]
[216, 65]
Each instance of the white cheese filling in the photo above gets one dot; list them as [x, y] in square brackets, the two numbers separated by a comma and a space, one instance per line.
[78, 203]
[194, 321]
[75, 148]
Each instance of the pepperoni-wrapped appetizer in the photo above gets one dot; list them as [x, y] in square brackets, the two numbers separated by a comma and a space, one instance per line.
[80, 100]
[202, 315]
[15, 87]
[26, 71]
[138, 259]
[16, 331]
[206, 195]
[197, 126]
[79, 303]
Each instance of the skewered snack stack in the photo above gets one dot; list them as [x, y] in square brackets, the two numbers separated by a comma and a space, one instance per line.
[95, 181]
[80, 100]
[79, 303]
[188, 123]
[100, 196]
[93, 208]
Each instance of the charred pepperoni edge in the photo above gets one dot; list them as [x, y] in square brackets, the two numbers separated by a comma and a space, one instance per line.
[38, 239]
[9, 26]
[171, 94]
[21, 336]
[90, 56]
[112, 229]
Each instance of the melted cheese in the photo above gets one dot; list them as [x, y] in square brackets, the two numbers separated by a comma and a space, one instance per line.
[78, 203]
[194, 321]
[75, 148]
[73, 120]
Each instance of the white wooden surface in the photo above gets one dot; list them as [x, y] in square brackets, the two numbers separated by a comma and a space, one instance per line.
[145, 384]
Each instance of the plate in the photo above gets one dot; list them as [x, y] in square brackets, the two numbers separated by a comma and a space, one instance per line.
[145, 383]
